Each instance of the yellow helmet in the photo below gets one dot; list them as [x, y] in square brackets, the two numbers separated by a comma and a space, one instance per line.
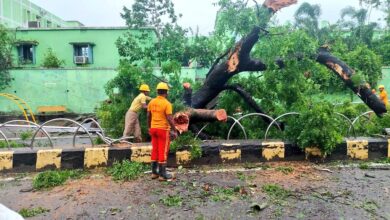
[144, 88]
[381, 86]
[162, 86]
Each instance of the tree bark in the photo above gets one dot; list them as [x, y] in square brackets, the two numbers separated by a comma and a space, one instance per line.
[345, 73]
[182, 119]
[239, 60]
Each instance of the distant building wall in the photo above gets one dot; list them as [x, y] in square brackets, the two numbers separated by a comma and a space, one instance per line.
[79, 90]
[17, 13]
[99, 40]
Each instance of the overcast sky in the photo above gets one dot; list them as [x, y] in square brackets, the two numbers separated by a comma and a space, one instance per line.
[196, 13]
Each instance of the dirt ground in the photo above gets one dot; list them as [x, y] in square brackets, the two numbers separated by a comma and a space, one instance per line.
[248, 191]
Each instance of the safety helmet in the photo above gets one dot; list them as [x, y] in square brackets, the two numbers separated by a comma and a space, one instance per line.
[381, 87]
[144, 88]
[162, 86]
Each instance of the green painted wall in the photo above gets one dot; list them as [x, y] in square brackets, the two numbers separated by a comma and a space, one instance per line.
[80, 90]
[105, 52]
[17, 13]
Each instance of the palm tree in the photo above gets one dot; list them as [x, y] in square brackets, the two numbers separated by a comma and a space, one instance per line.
[360, 31]
[306, 17]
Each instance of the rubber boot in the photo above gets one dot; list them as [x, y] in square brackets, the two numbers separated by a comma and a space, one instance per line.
[154, 170]
[164, 176]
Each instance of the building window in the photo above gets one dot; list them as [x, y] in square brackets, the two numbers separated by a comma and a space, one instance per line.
[26, 53]
[48, 24]
[83, 53]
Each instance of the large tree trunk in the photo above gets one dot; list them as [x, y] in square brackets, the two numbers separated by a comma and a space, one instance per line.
[345, 73]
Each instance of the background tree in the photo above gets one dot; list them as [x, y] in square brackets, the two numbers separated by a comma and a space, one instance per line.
[307, 18]
[6, 42]
[359, 31]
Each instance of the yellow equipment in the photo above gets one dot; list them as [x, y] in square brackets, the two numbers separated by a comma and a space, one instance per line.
[22, 105]
[381, 87]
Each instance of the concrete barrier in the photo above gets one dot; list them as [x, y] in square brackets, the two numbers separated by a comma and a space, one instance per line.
[213, 152]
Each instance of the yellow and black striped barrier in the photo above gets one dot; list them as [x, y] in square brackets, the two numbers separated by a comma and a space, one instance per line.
[212, 153]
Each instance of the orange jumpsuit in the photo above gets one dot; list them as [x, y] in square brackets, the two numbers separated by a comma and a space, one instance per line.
[159, 108]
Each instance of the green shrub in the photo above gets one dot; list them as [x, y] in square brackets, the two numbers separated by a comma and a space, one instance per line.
[187, 140]
[171, 201]
[25, 135]
[51, 60]
[13, 144]
[275, 191]
[127, 170]
[27, 213]
[317, 126]
[49, 179]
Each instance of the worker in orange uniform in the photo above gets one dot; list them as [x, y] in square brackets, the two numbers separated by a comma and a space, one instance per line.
[160, 124]
[383, 95]
[131, 120]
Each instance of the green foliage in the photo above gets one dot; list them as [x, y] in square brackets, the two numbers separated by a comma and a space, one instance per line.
[317, 126]
[5, 57]
[146, 13]
[235, 18]
[25, 135]
[367, 63]
[382, 48]
[172, 201]
[285, 170]
[187, 140]
[13, 144]
[51, 60]
[127, 170]
[276, 192]
[224, 194]
[306, 18]
[49, 179]
[31, 212]
[363, 166]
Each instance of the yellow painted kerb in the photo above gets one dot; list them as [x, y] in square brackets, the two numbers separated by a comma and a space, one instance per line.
[312, 151]
[388, 148]
[273, 149]
[48, 158]
[6, 160]
[183, 157]
[227, 155]
[95, 157]
[141, 154]
[357, 149]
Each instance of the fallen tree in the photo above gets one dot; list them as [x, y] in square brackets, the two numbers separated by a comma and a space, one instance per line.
[238, 60]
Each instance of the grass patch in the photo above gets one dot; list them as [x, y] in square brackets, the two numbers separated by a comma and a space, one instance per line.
[276, 192]
[384, 160]
[25, 135]
[285, 170]
[49, 179]
[26, 213]
[370, 206]
[223, 194]
[241, 176]
[187, 140]
[13, 144]
[127, 170]
[98, 141]
[363, 166]
[172, 201]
